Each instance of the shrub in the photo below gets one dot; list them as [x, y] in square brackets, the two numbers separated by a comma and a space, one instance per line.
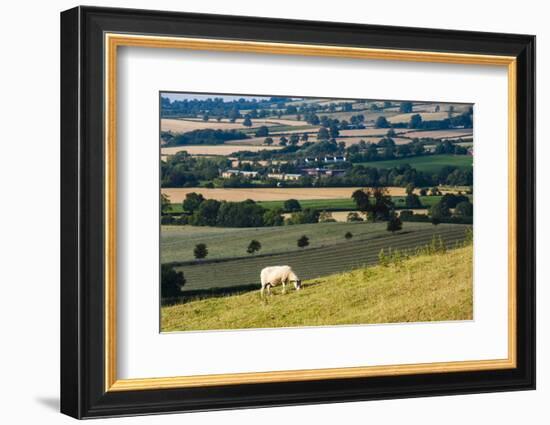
[303, 241]
[273, 218]
[464, 209]
[326, 217]
[440, 210]
[200, 251]
[166, 219]
[383, 259]
[307, 215]
[171, 281]
[354, 217]
[192, 201]
[405, 214]
[253, 246]
[292, 205]
[182, 219]
[394, 223]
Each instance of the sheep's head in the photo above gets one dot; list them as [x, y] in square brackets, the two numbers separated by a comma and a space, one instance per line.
[298, 284]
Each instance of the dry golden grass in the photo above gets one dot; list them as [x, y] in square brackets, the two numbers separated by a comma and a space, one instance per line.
[371, 131]
[190, 124]
[436, 287]
[223, 150]
[443, 134]
[177, 195]
[342, 216]
[182, 126]
[426, 116]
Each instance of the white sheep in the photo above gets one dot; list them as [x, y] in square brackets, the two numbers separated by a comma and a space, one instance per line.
[278, 275]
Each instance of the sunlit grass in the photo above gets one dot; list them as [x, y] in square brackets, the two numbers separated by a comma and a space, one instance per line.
[435, 287]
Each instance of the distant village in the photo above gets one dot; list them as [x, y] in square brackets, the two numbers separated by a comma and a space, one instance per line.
[310, 167]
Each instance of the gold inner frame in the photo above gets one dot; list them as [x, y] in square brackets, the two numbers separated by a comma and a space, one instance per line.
[113, 41]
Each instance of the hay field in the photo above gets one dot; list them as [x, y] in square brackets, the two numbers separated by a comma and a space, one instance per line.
[214, 150]
[442, 134]
[426, 116]
[341, 216]
[185, 125]
[177, 195]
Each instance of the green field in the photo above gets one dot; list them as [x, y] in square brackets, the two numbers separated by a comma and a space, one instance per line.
[177, 242]
[426, 163]
[283, 128]
[342, 204]
[329, 252]
[345, 204]
[435, 287]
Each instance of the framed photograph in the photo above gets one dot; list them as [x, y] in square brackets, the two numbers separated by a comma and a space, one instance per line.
[261, 212]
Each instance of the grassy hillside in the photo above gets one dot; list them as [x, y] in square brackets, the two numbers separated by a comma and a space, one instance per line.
[432, 287]
[425, 163]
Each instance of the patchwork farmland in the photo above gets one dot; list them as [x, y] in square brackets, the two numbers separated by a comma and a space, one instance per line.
[322, 185]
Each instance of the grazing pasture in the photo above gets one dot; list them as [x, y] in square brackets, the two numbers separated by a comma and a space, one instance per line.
[177, 242]
[335, 204]
[372, 131]
[370, 139]
[426, 163]
[424, 288]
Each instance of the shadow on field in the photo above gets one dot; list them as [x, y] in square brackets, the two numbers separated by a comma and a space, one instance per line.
[199, 294]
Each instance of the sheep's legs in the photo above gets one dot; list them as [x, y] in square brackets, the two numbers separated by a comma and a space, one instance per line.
[284, 287]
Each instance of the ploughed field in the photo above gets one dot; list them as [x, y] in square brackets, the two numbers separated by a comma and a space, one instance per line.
[229, 268]
[428, 287]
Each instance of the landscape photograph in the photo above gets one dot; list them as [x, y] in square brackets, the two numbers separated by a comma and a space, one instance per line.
[287, 211]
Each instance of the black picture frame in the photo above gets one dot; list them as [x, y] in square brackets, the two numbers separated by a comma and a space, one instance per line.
[82, 218]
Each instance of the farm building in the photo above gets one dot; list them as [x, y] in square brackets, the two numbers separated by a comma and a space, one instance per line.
[283, 176]
[319, 172]
[326, 159]
[230, 173]
[334, 159]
